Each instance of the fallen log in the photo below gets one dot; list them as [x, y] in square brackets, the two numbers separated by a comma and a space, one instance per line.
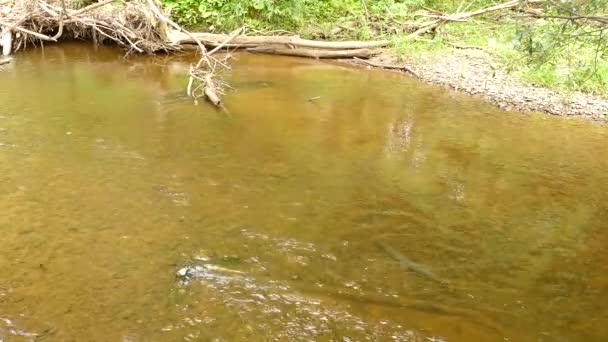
[194, 47]
[213, 39]
[387, 66]
[313, 53]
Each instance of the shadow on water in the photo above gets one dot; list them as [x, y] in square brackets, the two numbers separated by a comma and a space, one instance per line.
[383, 210]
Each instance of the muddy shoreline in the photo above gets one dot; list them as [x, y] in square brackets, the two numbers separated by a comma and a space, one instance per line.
[472, 72]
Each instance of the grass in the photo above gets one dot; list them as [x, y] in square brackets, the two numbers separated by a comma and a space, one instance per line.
[578, 68]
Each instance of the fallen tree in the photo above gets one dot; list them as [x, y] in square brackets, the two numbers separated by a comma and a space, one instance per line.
[213, 39]
[313, 53]
[142, 26]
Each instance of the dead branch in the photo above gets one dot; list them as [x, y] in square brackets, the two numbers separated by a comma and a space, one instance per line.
[313, 53]
[173, 24]
[203, 71]
[5, 61]
[387, 66]
[26, 31]
[230, 38]
[602, 19]
[442, 18]
[211, 88]
[129, 25]
[90, 8]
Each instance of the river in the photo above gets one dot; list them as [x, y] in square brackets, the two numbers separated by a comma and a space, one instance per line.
[325, 203]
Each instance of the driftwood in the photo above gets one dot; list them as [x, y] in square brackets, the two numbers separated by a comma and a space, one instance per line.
[387, 66]
[313, 53]
[212, 39]
[5, 61]
[6, 40]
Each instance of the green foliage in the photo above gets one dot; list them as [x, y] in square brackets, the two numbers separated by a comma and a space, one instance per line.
[225, 15]
[230, 14]
[563, 52]
[78, 3]
[554, 52]
[417, 50]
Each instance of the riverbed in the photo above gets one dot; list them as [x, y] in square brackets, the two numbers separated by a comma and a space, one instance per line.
[324, 203]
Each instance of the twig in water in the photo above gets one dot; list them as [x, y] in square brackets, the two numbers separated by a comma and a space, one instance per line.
[387, 66]
[314, 98]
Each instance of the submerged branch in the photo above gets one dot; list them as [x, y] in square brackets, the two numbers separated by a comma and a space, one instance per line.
[387, 66]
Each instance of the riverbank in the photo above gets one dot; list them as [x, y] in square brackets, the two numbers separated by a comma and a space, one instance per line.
[474, 69]
[474, 72]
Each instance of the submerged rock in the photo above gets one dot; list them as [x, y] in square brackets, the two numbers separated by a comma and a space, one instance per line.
[203, 268]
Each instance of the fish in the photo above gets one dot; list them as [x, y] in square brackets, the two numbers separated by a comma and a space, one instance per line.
[247, 85]
[407, 264]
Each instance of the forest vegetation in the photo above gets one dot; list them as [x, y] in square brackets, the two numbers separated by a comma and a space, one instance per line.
[562, 45]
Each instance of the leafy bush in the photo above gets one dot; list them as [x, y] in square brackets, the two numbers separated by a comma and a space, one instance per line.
[564, 52]
[230, 14]
[225, 15]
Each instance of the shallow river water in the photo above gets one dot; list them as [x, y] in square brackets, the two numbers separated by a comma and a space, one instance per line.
[384, 210]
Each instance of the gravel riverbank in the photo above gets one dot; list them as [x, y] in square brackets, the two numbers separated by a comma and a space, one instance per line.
[471, 71]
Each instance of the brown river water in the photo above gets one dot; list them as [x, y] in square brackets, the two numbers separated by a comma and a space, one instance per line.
[384, 210]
